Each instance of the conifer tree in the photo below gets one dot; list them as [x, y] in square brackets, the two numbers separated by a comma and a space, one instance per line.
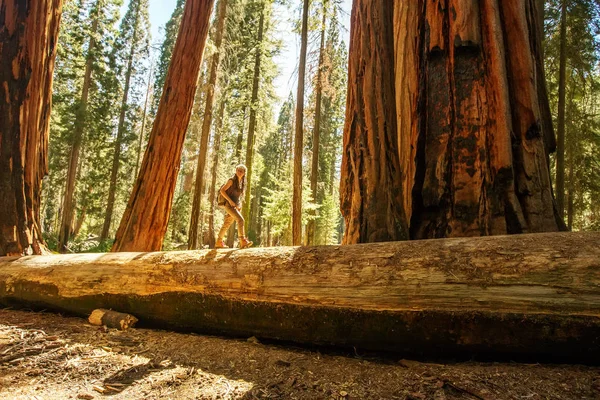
[131, 48]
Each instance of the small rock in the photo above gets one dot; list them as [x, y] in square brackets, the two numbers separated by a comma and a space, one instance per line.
[254, 340]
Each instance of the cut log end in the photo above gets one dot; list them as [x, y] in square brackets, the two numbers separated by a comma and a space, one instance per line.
[112, 319]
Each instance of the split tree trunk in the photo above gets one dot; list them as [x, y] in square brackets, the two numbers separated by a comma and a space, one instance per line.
[314, 177]
[68, 205]
[474, 129]
[146, 217]
[28, 36]
[252, 122]
[112, 189]
[206, 124]
[528, 295]
[371, 197]
[299, 133]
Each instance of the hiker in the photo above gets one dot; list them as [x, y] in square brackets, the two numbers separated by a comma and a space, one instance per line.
[230, 199]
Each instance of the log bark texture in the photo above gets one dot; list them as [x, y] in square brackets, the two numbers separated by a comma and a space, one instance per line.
[529, 295]
[28, 35]
[370, 191]
[474, 127]
[145, 220]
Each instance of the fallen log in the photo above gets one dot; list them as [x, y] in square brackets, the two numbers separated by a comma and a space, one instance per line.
[526, 295]
[112, 319]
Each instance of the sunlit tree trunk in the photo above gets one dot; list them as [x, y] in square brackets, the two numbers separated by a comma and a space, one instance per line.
[215, 168]
[252, 123]
[206, 124]
[474, 129]
[28, 42]
[562, 83]
[144, 118]
[147, 214]
[68, 204]
[314, 177]
[299, 133]
[112, 189]
[371, 190]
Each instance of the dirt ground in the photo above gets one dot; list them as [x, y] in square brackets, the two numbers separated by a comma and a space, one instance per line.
[48, 356]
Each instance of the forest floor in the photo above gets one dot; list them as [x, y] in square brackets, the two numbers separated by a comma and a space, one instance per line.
[48, 356]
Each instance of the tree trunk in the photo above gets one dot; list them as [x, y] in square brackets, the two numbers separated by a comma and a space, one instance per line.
[215, 169]
[314, 177]
[206, 124]
[371, 196]
[112, 189]
[28, 42]
[472, 119]
[299, 133]
[240, 140]
[562, 84]
[252, 122]
[536, 295]
[144, 117]
[147, 214]
[66, 225]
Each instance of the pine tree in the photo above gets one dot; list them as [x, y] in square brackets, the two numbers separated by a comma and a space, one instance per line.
[131, 48]
[102, 16]
[146, 217]
[299, 133]
[206, 124]
[166, 51]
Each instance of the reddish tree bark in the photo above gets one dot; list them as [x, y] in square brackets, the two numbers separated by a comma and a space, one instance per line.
[147, 214]
[28, 35]
[371, 193]
[474, 129]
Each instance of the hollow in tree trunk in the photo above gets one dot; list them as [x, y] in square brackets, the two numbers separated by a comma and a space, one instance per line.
[28, 35]
[147, 214]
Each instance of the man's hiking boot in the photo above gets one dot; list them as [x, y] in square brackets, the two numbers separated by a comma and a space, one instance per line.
[221, 245]
[245, 243]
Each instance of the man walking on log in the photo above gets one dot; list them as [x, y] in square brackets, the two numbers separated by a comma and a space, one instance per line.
[230, 199]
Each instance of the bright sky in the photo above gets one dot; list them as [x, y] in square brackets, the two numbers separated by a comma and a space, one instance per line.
[161, 10]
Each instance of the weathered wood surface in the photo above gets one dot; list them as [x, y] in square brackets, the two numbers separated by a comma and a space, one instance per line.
[536, 295]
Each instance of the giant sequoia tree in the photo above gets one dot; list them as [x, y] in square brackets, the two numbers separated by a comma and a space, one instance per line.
[28, 34]
[472, 117]
[145, 220]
